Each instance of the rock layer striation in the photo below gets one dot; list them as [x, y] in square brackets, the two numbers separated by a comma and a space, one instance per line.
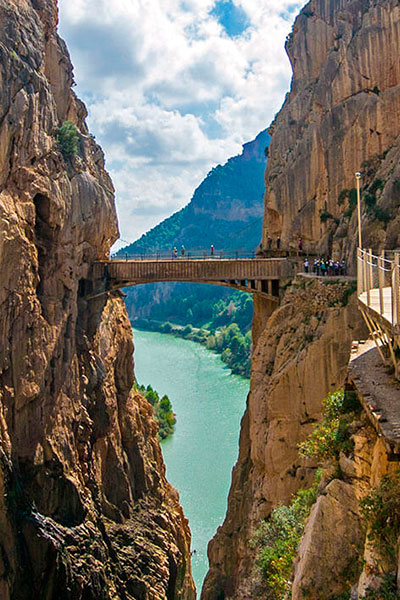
[85, 509]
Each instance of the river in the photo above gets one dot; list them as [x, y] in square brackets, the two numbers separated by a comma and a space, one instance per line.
[208, 402]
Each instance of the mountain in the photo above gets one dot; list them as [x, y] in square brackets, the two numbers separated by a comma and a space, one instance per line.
[226, 209]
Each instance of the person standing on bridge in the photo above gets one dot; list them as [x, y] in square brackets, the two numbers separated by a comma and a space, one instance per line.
[212, 250]
[269, 242]
[183, 250]
[175, 252]
[306, 265]
[278, 242]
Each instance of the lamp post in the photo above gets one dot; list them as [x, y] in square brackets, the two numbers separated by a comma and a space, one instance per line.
[358, 177]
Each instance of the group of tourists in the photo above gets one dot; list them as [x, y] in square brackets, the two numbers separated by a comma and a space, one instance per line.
[183, 251]
[326, 266]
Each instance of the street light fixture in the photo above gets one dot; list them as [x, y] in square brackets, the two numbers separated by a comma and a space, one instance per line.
[358, 177]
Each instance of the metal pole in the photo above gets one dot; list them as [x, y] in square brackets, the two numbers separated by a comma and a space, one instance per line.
[358, 177]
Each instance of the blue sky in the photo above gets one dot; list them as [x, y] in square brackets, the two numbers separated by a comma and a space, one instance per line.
[174, 87]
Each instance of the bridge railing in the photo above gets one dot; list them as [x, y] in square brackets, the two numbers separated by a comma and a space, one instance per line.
[194, 254]
[378, 283]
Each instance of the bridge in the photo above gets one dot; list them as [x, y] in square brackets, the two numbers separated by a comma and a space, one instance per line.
[378, 290]
[256, 275]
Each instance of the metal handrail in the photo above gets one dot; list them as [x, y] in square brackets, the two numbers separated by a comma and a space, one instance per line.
[379, 273]
[188, 254]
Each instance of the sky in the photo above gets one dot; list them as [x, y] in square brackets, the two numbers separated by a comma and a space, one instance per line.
[174, 87]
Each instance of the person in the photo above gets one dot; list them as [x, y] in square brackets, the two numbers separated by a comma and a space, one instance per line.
[323, 267]
[212, 250]
[175, 252]
[278, 242]
[306, 265]
[269, 242]
[183, 250]
[300, 244]
[343, 267]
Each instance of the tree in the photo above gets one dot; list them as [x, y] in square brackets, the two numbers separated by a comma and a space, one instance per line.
[67, 139]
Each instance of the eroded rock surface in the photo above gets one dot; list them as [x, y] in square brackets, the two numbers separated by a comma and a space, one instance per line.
[299, 358]
[341, 116]
[85, 509]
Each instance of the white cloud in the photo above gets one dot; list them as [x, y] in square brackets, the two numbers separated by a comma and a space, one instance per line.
[170, 94]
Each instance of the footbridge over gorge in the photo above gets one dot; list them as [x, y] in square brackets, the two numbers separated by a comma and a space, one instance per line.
[256, 275]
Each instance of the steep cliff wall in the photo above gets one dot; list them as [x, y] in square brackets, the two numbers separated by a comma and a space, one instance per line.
[341, 116]
[85, 509]
[300, 356]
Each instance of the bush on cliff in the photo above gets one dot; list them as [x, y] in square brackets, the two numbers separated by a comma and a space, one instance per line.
[276, 544]
[381, 509]
[163, 412]
[67, 139]
[332, 435]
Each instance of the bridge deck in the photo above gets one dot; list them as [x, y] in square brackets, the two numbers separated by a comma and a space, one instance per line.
[182, 269]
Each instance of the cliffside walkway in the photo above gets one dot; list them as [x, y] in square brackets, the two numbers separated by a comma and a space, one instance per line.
[378, 289]
[255, 275]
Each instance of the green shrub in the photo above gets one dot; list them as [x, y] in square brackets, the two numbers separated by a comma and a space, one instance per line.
[370, 199]
[381, 509]
[376, 185]
[387, 590]
[276, 543]
[381, 214]
[163, 412]
[332, 435]
[67, 139]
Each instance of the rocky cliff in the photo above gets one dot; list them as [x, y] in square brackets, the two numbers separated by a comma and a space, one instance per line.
[300, 356]
[340, 116]
[85, 509]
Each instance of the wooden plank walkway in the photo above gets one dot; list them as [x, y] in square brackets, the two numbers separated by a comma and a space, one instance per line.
[374, 303]
[378, 284]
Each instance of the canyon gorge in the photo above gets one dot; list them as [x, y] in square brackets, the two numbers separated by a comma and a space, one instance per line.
[86, 511]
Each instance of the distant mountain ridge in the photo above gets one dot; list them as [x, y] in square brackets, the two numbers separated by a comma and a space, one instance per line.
[226, 209]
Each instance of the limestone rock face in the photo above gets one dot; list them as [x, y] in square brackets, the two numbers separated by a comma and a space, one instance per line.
[341, 116]
[332, 544]
[300, 356]
[85, 509]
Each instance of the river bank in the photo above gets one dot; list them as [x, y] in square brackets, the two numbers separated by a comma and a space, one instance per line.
[208, 402]
[227, 341]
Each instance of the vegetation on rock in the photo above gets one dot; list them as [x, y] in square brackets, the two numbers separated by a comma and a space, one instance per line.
[386, 591]
[223, 324]
[67, 139]
[381, 509]
[226, 209]
[276, 543]
[163, 412]
[332, 435]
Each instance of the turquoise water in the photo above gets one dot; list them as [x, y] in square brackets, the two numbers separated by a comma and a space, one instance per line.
[208, 402]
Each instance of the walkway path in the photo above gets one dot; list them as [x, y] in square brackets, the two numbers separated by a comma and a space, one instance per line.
[378, 288]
